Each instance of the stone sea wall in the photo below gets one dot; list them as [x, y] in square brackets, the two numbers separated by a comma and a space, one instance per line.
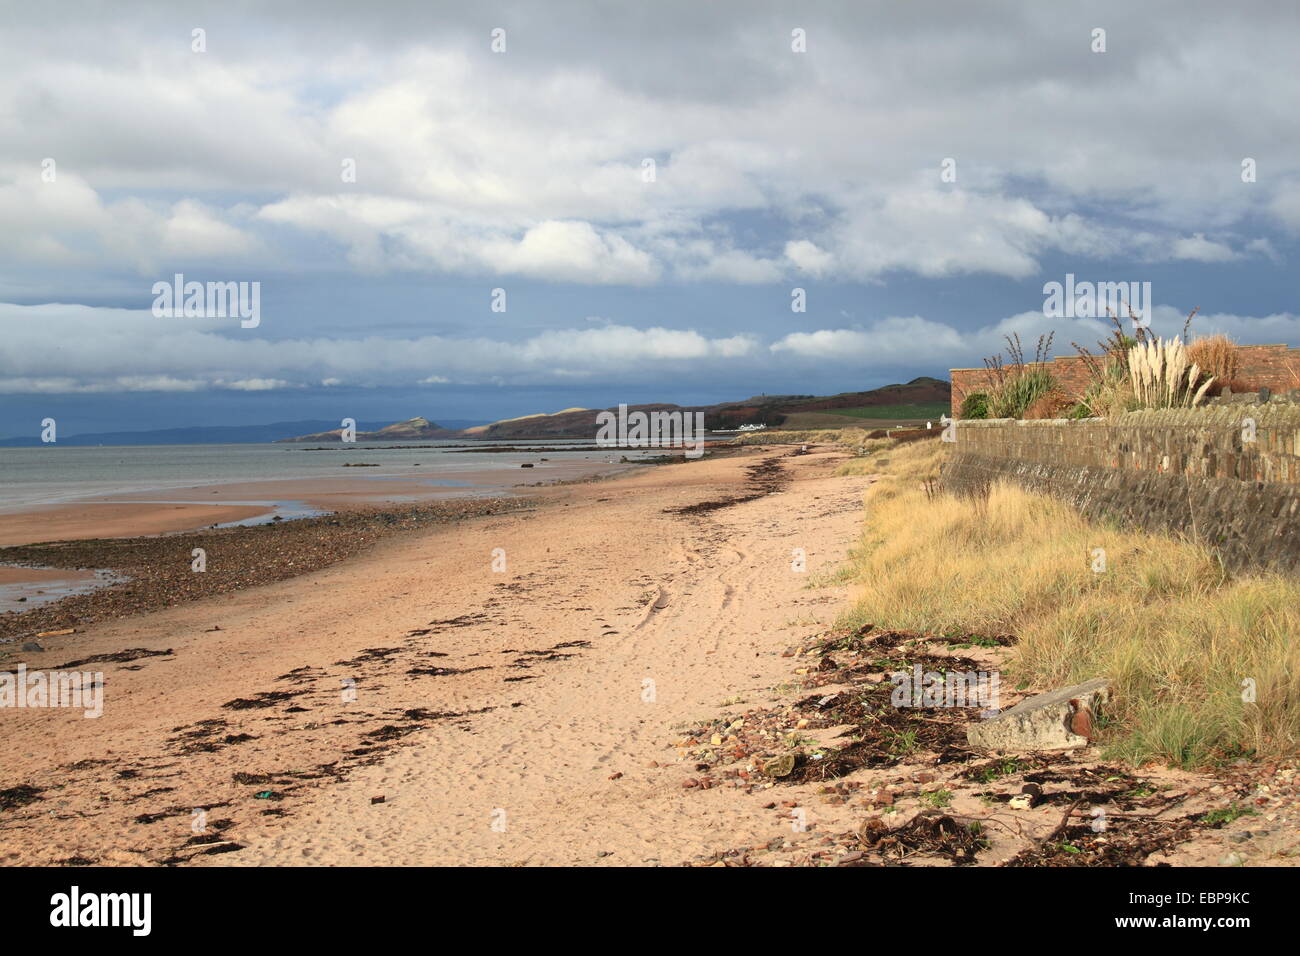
[1227, 475]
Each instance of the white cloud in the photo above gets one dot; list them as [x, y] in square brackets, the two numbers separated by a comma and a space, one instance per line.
[101, 349]
[385, 233]
[808, 258]
[193, 230]
[570, 252]
[114, 350]
[1197, 248]
[530, 164]
[253, 384]
[939, 233]
[889, 340]
[66, 223]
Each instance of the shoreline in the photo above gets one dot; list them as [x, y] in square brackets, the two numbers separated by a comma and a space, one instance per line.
[160, 570]
[143, 571]
[140, 513]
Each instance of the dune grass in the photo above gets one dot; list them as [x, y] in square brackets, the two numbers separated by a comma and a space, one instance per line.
[868, 454]
[1180, 639]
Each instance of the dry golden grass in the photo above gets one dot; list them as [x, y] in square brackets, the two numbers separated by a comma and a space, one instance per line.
[868, 455]
[1177, 636]
[1111, 392]
[1217, 355]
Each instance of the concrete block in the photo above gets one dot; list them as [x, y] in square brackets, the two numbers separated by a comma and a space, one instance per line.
[1060, 719]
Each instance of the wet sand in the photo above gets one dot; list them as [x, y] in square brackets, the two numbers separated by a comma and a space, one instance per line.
[115, 520]
[42, 576]
[24, 588]
[201, 506]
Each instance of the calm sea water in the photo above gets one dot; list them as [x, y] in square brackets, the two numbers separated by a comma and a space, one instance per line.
[51, 474]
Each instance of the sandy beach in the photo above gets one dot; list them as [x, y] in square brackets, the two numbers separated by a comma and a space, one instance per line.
[556, 680]
[476, 691]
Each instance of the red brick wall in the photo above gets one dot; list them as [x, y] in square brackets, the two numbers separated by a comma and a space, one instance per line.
[1270, 366]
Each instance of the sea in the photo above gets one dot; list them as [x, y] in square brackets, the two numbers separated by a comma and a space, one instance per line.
[51, 475]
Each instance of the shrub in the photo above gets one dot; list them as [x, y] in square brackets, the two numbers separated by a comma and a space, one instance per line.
[1144, 372]
[1019, 384]
[1162, 377]
[975, 405]
[1053, 403]
[1019, 390]
[1216, 355]
[1110, 392]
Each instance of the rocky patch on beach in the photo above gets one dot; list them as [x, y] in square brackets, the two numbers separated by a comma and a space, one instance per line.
[159, 569]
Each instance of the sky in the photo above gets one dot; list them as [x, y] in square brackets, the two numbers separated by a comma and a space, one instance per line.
[638, 189]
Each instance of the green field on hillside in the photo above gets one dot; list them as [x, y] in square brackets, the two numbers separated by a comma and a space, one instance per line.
[868, 416]
[892, 412]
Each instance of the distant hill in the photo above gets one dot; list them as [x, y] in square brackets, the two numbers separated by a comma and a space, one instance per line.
[915, 399]
[528, 421]
[570, 423]
[778, 409]
[920, 398]
[413, 429]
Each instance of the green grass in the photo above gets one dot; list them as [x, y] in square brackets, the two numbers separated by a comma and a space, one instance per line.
[893, 412]
[903, 743]
[1012, 397]
[1227, 814]
[1003, 768]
